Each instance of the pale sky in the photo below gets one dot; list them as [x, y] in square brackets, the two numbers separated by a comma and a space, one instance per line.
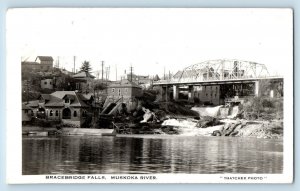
[152, 39]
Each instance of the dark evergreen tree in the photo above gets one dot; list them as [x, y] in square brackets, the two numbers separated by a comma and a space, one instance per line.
[86, 67]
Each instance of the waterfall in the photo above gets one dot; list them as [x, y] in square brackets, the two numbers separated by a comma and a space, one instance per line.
[218, 111]
[208, 111]
[234, 112]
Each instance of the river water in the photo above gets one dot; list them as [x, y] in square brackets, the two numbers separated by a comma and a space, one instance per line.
[150, 154]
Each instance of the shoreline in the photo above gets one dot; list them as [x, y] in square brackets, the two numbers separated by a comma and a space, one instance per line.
[227, 127]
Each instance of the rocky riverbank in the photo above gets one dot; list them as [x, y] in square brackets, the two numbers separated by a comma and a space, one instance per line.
[211, 121]
[212, 127]
[233, 128]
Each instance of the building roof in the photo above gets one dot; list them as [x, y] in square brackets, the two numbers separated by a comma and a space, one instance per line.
[44, 58]
[45, 96]
[124, 84]
[25, 107]
[29, 63]
[66, 71]
[56, 99]
[54, 102]
[77, 101]
[34, 103]
[156, 78]
[70, 96]
[61, 94]
[83, 74]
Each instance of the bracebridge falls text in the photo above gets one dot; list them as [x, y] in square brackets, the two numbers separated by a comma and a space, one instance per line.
[90, 177]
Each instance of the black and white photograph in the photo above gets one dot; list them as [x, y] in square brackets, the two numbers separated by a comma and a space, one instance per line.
[150, 95]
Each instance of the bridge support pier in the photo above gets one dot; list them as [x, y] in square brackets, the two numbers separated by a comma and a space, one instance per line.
[162, 93]
[191, 94]
[175, 92]
[256, 88]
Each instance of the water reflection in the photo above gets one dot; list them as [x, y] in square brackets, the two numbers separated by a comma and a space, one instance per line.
[148, 154]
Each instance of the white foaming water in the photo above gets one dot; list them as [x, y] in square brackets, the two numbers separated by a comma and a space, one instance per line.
[207, 111]
[180, 123]
[234, 112]
[189, 128]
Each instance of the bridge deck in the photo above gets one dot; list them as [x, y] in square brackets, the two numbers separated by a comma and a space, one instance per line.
[225, 81]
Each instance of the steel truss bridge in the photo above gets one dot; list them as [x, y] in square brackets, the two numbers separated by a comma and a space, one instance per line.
[220, 71]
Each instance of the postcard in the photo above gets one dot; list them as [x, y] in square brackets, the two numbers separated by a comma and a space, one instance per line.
[149, 95]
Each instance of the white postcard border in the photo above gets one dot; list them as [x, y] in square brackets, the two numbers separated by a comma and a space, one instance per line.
[14, 135]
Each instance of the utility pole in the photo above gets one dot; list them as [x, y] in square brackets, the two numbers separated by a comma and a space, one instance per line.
[131, 73]
[107, 72]
[116, 73]
[106, 68]
[74, 63]
[164, 73]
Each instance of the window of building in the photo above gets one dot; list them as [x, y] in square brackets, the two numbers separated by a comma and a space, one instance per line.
[77, 86]
[215, 95]
[45, 83]
[126, 90]
[119, 92]
[113, 90]
[50, 83]
[75, 114]
[67, 100]
[56, 113]
[51, 113]
[206, 95]
[83, 113]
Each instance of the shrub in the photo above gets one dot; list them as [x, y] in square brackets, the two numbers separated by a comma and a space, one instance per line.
[267, 103]
[43, 122]
[262, 108]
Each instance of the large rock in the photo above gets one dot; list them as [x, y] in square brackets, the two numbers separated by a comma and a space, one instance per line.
[147, 116]
[207, 121]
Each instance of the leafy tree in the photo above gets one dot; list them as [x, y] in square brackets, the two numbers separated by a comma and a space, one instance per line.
[99, 86]
[86, 66]
[266, 85]
[64, 83]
